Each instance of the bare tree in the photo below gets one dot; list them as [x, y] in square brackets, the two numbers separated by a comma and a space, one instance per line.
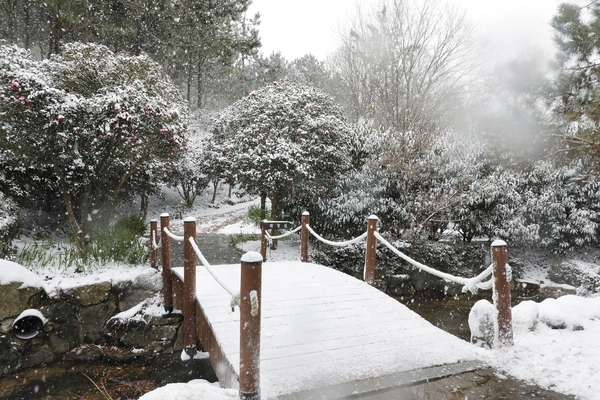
[405, 64]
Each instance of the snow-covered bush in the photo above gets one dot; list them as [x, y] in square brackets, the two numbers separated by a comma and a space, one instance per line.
[343, 210]
[87, 121]
[282, 141]
[191, 175]
[9, 224]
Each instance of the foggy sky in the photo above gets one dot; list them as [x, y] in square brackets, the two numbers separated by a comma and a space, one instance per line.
[505, 29]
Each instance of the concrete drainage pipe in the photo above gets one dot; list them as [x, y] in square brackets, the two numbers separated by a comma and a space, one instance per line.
[29, 324]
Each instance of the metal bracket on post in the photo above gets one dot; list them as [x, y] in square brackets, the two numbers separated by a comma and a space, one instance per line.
[166, 264]
[250, 315]
[502, 293]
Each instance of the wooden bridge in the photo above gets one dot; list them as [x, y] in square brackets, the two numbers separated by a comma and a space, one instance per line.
[307, 331]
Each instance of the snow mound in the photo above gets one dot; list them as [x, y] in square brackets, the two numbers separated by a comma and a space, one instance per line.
[198, 389]
[12, 272]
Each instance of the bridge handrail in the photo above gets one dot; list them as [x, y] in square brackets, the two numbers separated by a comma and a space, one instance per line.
[469, 284]
[235, 294]
[271, 238]
[173, 236]
[338, 244]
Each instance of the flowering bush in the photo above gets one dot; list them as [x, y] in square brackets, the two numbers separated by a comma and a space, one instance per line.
[88, 124]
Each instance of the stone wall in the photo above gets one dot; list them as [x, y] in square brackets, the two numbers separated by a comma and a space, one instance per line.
[79, 316]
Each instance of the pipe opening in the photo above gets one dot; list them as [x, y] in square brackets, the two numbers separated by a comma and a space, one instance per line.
[29, 324]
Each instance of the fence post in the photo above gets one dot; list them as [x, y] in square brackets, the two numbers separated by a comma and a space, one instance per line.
[263, 241]
[165, 253]
[153, 251]
[304, 237]
[502, 293]
[250, 314]
[190, 340]
[371, 253]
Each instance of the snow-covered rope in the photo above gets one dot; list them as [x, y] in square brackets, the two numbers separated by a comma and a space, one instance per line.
[155, 246]
[339, 244]
[172, 235]
[235, 294]
[487, 285]
[271, 238]
[469, 284]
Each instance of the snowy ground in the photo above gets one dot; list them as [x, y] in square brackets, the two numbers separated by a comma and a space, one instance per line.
[564, 360]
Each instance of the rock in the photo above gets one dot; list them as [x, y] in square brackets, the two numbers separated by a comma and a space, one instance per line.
[60, 311]
[88, 295]
[15, 298]
[526, 288]
[481, 324]
[575, 273]
[10, 358]
[38, 356]
[144, 286]
[6, 326]
[399, 285]
[65, 337]
[525, 316]
[93, 319]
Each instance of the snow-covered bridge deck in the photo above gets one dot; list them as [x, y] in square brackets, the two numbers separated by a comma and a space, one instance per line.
[324, 334]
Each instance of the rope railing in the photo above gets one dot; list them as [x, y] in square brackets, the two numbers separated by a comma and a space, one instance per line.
[235, 294]
[155, 246]
[472, 285]
[338, 244]
[271, 238]
[173, 236]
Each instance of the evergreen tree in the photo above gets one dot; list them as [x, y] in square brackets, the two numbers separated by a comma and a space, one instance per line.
[576, 96]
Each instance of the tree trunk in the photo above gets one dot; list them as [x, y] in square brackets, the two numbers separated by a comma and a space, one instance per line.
[275, 211]
[215, 186]
[263, 206]
[144, 205]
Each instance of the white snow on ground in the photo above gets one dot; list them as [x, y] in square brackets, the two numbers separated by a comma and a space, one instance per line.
[198, 389]
[563, 360]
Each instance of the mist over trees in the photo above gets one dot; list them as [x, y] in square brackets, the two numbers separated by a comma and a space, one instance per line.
[435, 139]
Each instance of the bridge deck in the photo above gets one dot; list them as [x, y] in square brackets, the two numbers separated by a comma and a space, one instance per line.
[320, 328]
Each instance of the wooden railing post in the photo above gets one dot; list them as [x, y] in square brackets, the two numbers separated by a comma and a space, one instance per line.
[371, 253]
[304, 237]
[165, 254]
[263, 240]
[153, 238]
[502, 293]
[250, 314]
[190, 340]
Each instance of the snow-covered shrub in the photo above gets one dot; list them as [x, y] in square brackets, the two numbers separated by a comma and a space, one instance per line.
[482, 324]
[190, 176]
[9, 224]
[342, 211]
[563, 202]
[87, 121]
[281, 141]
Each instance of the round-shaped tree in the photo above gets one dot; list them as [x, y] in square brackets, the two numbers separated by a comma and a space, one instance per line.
[280, 141]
